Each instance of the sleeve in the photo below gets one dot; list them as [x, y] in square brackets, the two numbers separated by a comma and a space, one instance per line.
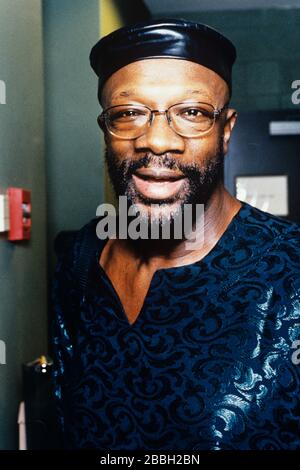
[62, 324]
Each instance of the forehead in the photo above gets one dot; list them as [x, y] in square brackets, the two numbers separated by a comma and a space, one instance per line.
[163, 78]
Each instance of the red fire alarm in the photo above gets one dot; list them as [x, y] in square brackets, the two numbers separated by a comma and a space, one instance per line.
[19, 214]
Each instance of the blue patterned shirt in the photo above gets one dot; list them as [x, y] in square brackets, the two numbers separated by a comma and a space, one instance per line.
[209, 363]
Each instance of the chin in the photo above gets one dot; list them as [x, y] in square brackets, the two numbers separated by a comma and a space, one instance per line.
[158, 212]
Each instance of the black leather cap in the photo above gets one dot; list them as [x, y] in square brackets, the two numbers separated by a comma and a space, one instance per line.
[169, 38]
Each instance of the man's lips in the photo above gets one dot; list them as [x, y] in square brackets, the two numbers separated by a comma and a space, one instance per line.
[157, 183]
[159, 173]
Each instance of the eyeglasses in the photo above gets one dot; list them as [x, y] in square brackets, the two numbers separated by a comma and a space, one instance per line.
[189, 119]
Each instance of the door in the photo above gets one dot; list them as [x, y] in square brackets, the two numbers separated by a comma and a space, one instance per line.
[255, 152]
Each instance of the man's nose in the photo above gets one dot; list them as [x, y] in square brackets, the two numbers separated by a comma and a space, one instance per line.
[160, 138]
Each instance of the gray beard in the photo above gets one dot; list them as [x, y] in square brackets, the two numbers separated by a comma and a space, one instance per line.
[198, 189]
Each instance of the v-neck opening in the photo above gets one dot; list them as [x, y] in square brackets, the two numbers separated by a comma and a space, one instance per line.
[109, 282]
[159, 271]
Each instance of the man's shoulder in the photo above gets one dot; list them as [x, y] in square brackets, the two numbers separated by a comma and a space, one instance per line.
[272, 241]
[269, 227]
[65, 240]
[273, 247]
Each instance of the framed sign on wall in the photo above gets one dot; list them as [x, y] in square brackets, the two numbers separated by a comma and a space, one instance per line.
[268, 193]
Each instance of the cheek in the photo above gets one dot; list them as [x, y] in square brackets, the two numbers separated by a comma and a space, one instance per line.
[120, 148]
[203, 149]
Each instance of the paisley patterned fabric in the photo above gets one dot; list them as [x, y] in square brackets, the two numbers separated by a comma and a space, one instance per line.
[208, 362]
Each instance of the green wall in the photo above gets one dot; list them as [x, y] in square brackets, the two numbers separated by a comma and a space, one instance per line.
[268, 48]
[22, 164]
[73, 142]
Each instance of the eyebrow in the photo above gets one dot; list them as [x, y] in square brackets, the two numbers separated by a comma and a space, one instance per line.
[198, 92]
[127, 93]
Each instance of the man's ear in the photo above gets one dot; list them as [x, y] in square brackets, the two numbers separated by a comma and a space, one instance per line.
[102, 126]
[101, 122]
[229, 124]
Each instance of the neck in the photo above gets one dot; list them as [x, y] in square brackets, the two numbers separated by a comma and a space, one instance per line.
[162, 253]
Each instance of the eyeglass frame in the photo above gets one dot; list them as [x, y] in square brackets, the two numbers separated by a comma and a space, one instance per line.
[216, 114]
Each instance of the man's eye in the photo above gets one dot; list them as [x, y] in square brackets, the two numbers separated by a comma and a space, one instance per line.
[127, 114]
[193, 112]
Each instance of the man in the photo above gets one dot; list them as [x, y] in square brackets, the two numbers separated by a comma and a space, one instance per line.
[163, 347]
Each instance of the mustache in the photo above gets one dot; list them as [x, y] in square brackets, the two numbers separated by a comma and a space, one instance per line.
[129, 166]
[202, 177]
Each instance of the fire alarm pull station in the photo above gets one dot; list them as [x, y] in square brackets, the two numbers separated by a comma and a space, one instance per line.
[19, 214]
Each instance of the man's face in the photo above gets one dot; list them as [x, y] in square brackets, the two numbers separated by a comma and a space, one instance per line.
[162, 167]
